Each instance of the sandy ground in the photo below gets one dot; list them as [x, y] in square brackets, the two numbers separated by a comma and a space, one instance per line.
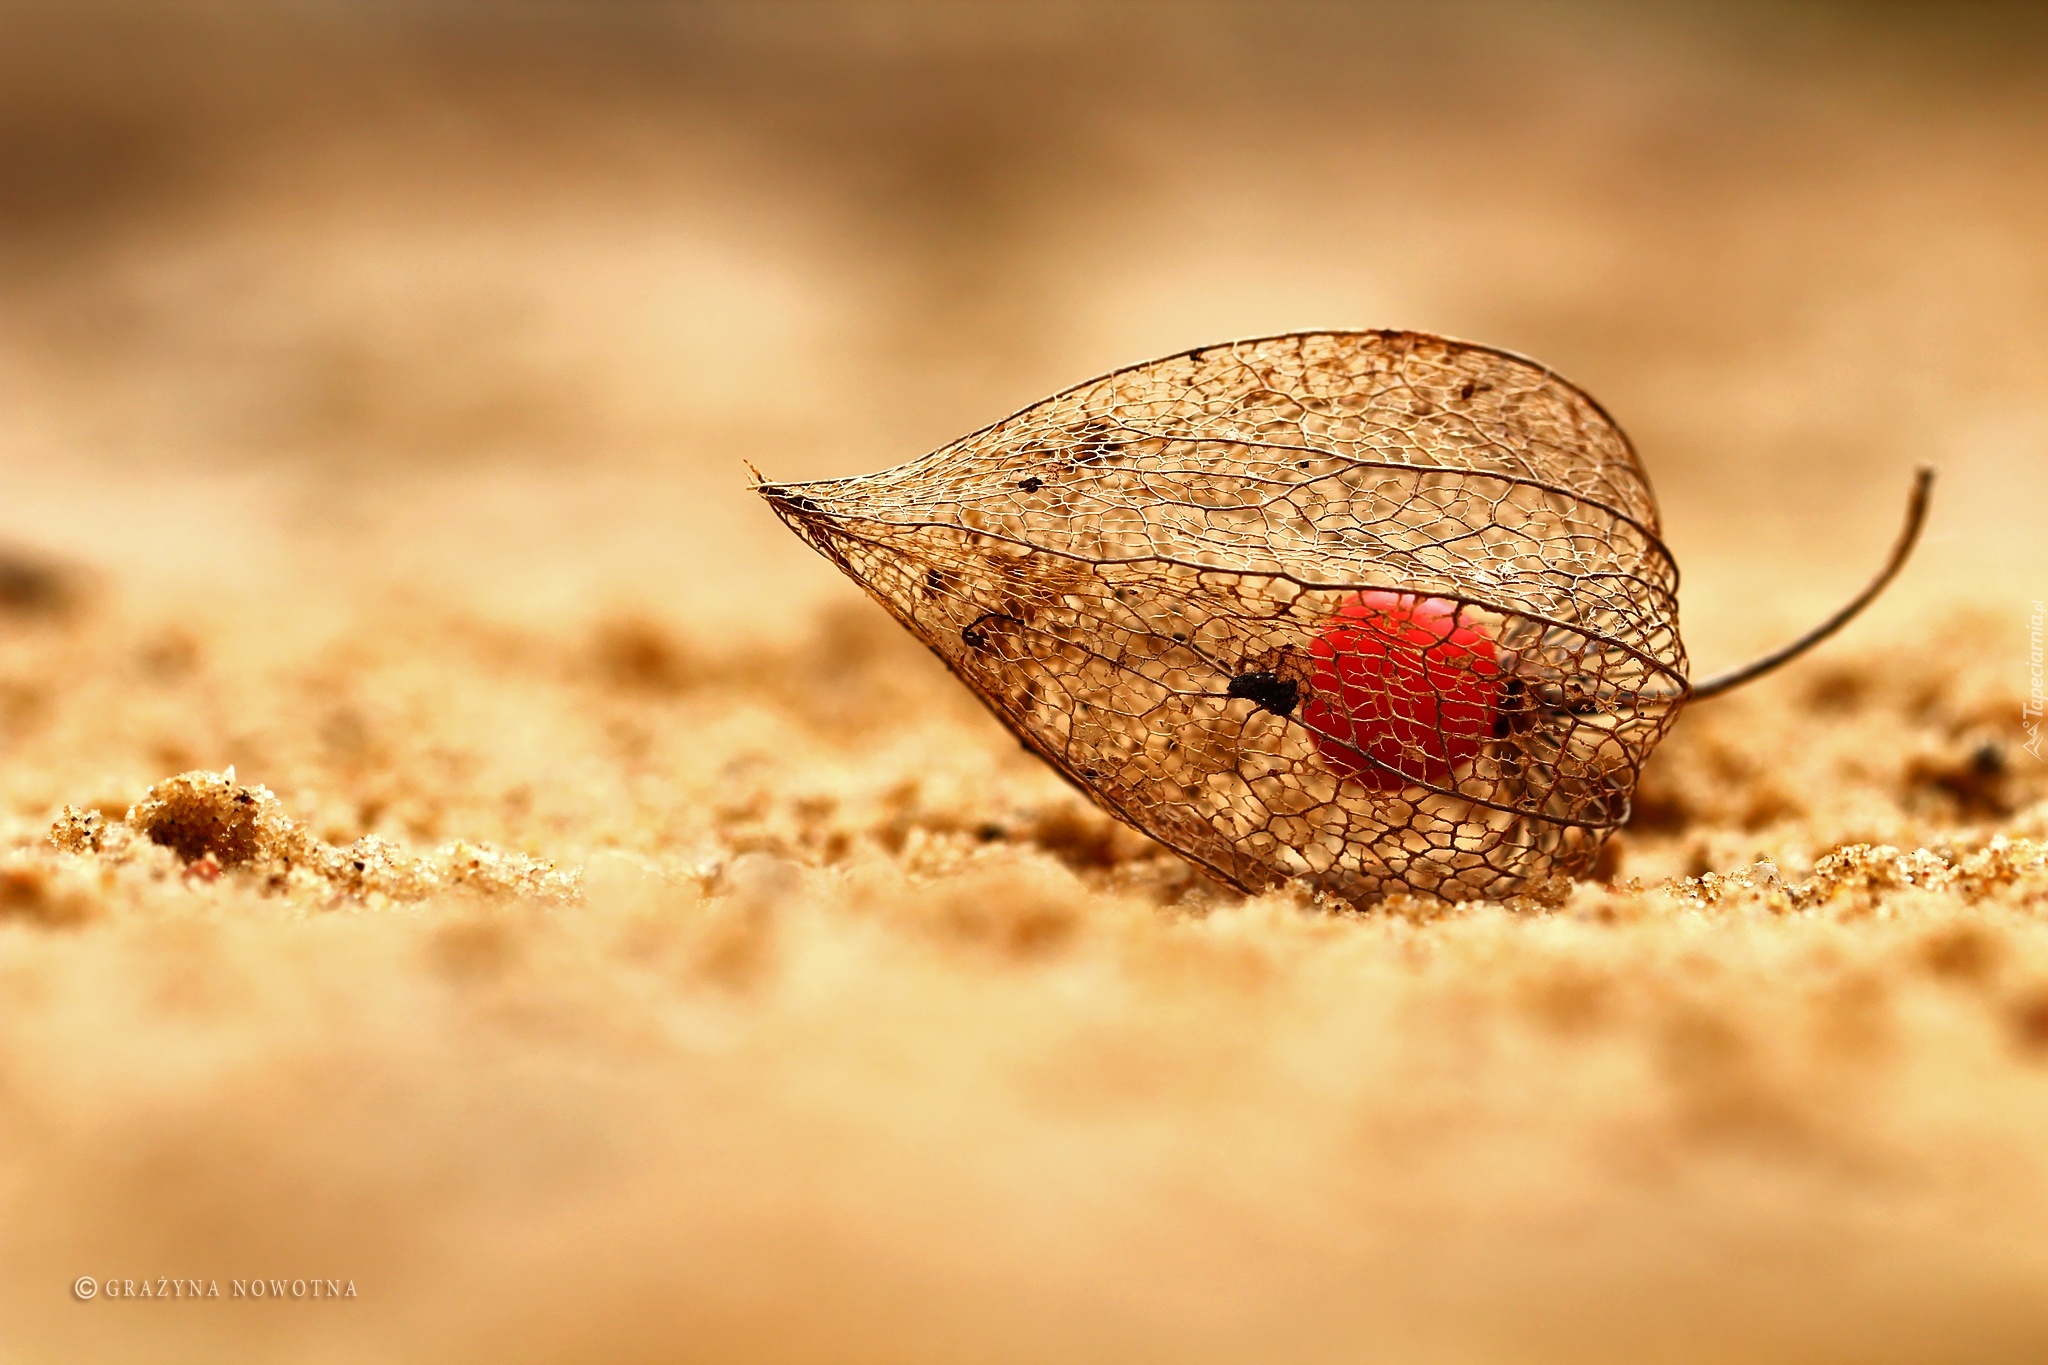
[616, 940]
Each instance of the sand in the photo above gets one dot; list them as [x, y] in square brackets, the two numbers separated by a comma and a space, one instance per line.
[459, 853]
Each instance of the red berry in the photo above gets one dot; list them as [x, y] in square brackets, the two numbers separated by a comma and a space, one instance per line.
[1403, 690]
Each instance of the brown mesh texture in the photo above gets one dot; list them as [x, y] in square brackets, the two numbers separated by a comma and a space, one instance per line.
[1375, 610]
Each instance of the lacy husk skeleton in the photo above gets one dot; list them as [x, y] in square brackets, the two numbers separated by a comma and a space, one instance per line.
[1379, 611]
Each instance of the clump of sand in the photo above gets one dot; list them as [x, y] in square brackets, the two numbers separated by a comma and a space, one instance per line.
[208, 822]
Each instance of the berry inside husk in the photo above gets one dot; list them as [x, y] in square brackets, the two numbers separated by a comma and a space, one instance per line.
[1404, 690]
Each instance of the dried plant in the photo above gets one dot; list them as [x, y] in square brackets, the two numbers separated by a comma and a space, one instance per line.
[1376, 610]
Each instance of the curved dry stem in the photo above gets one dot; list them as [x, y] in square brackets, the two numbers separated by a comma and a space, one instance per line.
[1909, 535]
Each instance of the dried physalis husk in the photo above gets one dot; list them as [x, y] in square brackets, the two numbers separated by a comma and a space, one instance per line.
[1378, 610]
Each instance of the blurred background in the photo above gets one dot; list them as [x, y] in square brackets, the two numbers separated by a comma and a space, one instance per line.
[499, 296]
